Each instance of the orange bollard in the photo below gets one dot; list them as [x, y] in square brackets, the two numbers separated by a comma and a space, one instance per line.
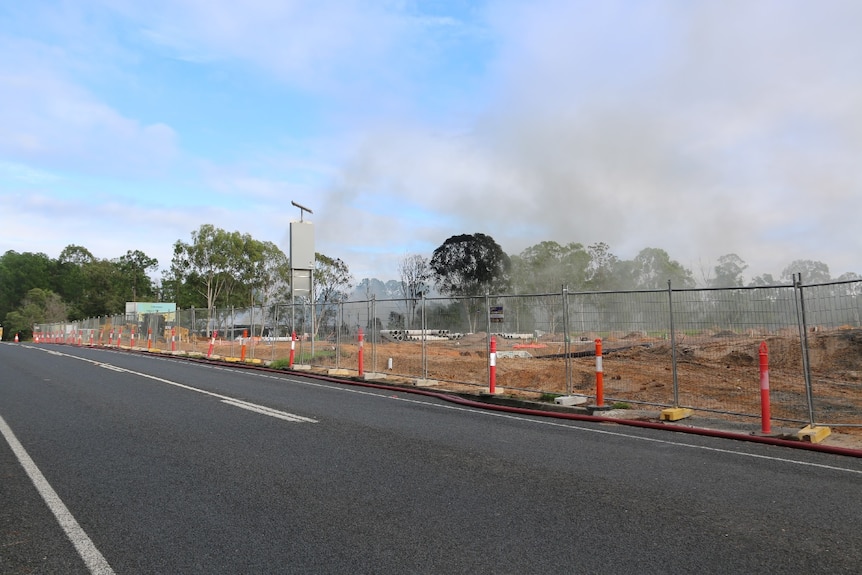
[212, 343]
[600, 382]
[173, 339]
[765, 415]
[16, 338]
[492, 363]
[242, 347]
[292, 346]
[149, 338]
[132, 340]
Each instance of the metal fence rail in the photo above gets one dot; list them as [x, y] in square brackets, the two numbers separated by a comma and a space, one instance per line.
[693, 348]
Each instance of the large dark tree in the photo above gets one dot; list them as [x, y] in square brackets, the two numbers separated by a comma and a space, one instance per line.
[471, 265]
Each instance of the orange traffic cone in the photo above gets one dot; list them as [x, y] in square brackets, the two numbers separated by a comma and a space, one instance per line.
[16, 338]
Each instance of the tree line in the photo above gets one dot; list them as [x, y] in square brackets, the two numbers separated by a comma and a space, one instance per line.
[217, 268]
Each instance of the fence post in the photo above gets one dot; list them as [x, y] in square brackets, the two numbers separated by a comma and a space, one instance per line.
[676, 412]
[567, 346]
[811, 432]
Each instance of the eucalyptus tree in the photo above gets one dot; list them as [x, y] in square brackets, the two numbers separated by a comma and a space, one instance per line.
[332, 283]
[810, 271]
[415, 274]
[652, 268]
[212, 259]
[545, 268]
[728, 271]
[134, 279]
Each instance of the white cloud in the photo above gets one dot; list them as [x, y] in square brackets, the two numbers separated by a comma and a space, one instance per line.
[49, 120]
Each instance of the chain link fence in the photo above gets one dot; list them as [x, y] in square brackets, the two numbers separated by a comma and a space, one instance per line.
[692, 348]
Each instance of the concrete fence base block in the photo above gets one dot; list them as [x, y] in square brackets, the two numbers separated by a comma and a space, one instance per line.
[570, 400]
[814, 434]
[339, 372]
[372, 375]
[426, 382]
[675, 413]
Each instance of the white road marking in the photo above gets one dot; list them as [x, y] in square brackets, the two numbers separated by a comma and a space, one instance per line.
[224, 398]
[268, 411]
[93, 559]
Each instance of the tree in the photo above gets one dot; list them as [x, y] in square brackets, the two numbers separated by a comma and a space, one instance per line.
[133, 269]
[601, 273]
[812, 271]
[332, 282]
[764, 280]
[471, 265]
[21, 272]
[652, 268]
[210, 258]
[415, 273]
[38, 306]
[728, 272]
[547, 266]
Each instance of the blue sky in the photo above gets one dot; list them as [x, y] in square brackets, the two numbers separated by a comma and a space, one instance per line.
[701, 128]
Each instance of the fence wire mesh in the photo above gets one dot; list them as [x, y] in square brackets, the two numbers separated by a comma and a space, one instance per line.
[694, 348]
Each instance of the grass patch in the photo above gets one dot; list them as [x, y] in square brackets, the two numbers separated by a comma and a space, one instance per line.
[621, 405]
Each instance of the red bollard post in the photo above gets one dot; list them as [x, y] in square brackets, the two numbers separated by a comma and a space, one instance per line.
[149, 338]
[292, 345]
[361, 358]
[600, 376]
[132, 340]
[212, 343]
[242, 347]
[492, 373]
[173, 339]
[766, 425]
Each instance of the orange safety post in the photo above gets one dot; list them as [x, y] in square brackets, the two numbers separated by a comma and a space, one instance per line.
[16, 338]
[212, 343]
[132, 340]
[492, 364]
[149, 338]
[242, 347]
[766, 425]
[292, 345]
[173, 339]
[600, 382]
[361, 359]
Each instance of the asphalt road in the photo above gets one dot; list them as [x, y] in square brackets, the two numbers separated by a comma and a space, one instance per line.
[157, 465]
